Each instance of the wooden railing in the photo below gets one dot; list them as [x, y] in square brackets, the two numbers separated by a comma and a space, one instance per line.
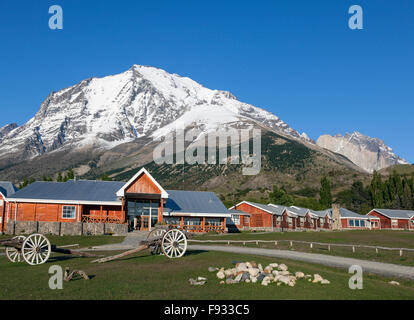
[97, 219]
[198, 228]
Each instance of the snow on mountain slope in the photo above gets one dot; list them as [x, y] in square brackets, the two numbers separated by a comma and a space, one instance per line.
[141, 102]
[366, 152]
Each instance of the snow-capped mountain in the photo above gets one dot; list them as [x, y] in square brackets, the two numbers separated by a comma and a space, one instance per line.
[141, 102]
[366, 152]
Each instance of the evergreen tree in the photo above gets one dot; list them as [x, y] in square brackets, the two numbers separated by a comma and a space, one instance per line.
[376, 191]
[59, 178]
[280, 196]
[105, 177]
[407, 200]
[325, 193]
[70, 175]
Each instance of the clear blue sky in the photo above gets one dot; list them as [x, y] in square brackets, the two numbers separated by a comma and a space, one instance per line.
[297, 59]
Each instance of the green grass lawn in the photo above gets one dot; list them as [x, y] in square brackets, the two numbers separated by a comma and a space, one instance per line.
[156, 277]
[83, 241]
[385, 238]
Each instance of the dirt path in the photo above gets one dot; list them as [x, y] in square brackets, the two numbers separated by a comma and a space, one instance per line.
[384, 269]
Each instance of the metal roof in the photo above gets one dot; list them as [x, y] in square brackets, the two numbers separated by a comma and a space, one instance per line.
[298, 211]
[322, 213]
[399, 214]
[7, 188]
[239, 212]
[73, 191]
[273, 209]
[194, 202]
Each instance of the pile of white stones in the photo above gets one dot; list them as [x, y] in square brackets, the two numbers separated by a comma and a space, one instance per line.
[250, 272]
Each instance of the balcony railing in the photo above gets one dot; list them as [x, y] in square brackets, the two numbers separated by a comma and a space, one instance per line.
[97, 219]
[198, 228]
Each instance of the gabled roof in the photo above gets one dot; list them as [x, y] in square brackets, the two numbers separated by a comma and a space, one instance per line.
[302, 212]
[70, 192]
[398, 214]
[121, 191]
[345, 213]
[194, 203]
[277, 210]
[239, 212]
[7, 188]
[323, 213]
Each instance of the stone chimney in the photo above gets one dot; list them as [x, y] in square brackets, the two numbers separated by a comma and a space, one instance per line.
[336, 216]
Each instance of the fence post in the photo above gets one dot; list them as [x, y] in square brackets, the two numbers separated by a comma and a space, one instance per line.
[376, 250]
[329, 247]
[291, 244]
[257, 243]
[275, 243]
[401, 252]
[244, 243]
[311, 245]
[353, 249]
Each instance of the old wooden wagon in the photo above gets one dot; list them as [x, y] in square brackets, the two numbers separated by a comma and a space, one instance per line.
[36, 248]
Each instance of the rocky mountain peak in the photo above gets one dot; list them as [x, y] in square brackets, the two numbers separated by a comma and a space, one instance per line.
[366, 152]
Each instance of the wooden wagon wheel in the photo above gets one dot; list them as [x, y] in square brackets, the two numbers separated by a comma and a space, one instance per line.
[13, 254]
[36, 249]
[156, 247]
[174, 244]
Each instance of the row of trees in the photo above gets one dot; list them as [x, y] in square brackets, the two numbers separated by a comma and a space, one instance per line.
[61, 177]
[396, 192]
[281, 196]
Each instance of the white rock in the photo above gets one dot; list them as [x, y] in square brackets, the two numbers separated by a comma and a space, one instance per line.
[242, 267]
[254, 272]
[394, 283]
[268, 269]
[221, 275]
[299, 275]
[275, 272]
[283, 267]
[230, 272]
[283, 279]
[238, 277]
[201, 279]
[260, 267]
[212, 269]
[284, 273]
[254, 279]
[317, 278]
[273, 265]
[324, 281]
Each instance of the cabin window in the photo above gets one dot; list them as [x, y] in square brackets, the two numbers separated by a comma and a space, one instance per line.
[394, 222]
[236, 219]
[356, 223]
[213, 221]
[192, 221]
[362, 223]
[68, 212]
[172, 220]
[351, 222]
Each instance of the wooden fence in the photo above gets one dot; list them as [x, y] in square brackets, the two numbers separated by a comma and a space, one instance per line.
[311, 244]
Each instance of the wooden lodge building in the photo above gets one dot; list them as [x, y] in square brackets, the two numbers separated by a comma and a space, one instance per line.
[140, 203]
[393, 219]
[276, 217]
